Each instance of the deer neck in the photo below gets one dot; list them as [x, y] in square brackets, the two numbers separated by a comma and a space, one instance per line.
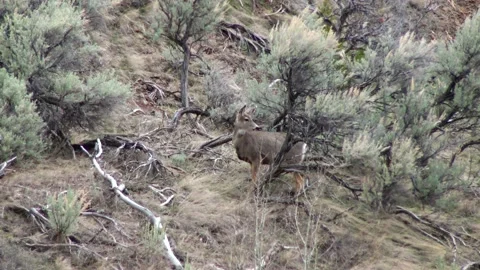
[239, 132]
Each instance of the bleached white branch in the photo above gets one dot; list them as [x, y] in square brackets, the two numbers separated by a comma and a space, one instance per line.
[154, 220]
[160, 192]
[5, 164]
[471, 266]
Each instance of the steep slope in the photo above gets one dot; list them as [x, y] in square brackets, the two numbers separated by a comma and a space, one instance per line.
[215, 220]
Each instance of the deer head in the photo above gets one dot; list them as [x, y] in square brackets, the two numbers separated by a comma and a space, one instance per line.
[244, 119]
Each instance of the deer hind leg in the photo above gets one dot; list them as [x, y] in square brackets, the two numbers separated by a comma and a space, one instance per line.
[299, 183]
[254, 170]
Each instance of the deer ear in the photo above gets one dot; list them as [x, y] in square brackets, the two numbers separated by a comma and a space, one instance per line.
[253, 110]
[242, 110]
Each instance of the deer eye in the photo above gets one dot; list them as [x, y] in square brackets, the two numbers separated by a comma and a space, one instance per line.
[247, 119]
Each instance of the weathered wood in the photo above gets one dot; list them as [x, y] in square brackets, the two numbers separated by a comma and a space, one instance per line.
[223, 139]
[243, 34]
[4, 165]
[154, 220]
[179, 113]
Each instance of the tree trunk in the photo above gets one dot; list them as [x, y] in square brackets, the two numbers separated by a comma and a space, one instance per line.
[184, 76]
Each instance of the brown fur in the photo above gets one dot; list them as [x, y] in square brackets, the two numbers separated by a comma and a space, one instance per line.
[261, 147]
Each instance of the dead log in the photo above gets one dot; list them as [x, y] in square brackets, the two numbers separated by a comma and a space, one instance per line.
[223, 139]
[179, 113]
[235, 31]
[155, 221]
[153, 162]
[114, 141]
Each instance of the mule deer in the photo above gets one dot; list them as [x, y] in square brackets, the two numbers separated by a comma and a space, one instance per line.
[260, 147]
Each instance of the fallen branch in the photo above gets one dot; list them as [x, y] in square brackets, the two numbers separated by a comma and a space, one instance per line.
[332, 239]
[338, 215]
[270, 255]
[240, 33]
[471, 266]
[41, 221]
[153, 163]
[462, 148]
[447, 235]
[154, 220]
[293, 201]
[179, 113]
[344, 184]
[160, 192]
[300, 168]
[213, 143]
[4, 165]
[67, 246]
[114, 141]
[113, 221]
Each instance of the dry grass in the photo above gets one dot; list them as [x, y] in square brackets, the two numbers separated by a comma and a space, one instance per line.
[212, 220]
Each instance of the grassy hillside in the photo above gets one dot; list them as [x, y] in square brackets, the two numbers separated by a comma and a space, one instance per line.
[215, 219]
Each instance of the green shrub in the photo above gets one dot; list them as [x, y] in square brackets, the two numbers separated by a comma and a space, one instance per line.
[20, 125]
[178, 159]
[152, 240]
[46, 45]
[63, 212]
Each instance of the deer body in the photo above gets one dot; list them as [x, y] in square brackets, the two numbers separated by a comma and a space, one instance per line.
[260, 147]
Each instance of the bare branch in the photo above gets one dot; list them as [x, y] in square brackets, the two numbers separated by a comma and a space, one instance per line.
[67, 246]
[159, 192]
[471, 266]
[223, 139]
[241, 33]
[448, 236]
[179, 113]
[154, 220]
[462, 148]
[5, 164]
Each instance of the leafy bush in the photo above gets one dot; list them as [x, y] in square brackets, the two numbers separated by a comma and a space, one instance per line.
[396, 111]
[47, 47]
[179, 159]
[20, 125]
[63, 212]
